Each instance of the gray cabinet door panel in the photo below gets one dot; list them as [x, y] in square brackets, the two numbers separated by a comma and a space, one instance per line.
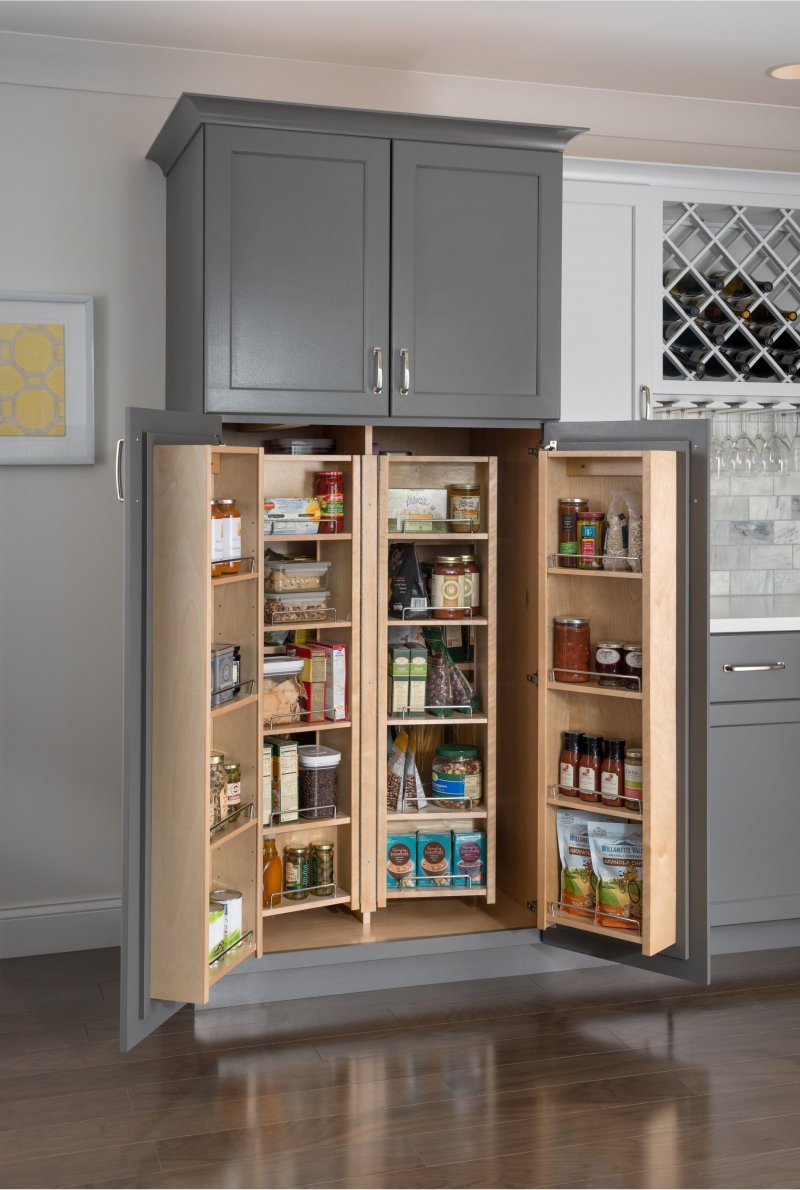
[764, 665]
[754, 815]
[476, 263]
[297, 272]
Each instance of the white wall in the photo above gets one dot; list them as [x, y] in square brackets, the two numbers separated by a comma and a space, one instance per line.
[82, 211]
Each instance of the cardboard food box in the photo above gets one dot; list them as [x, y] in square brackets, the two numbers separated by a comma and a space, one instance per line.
[313, 702]
[417, 677]
[434, 859]
[421, 506]
[469, 857]
[286, 514]
[401, 861]
[314, 661]
[399, 663]
[280, 781]
[335, 679]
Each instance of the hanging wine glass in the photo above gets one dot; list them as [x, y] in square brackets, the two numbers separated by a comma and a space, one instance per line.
[794, 445]
[776, 456]
[744, 456]
[757, 422]
[727, 440]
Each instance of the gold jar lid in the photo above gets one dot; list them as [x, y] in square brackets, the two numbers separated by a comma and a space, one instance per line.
[217, 757]
[449, 559]
[465, 489]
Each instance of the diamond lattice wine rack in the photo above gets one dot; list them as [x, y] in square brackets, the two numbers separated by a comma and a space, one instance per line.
[731, 294]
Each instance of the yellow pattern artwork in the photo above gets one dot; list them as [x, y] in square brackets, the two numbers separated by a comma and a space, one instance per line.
[32, 380]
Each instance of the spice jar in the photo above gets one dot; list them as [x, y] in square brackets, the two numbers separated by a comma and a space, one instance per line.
[609, 663]
[329, 490]
[611, 773]
[569, 509]
[319, 780]
[273, 873]
[589, 768]
[472, 582]
[438, 700]
[464, 507]
[632, 779]
[591, 529]
[226, 538]
[217, 787]
[457, 775]
[233, 788]
[296, 872]
[569, 764]
[570, 649]
[322, 869]
[632, 665]
[447, 588]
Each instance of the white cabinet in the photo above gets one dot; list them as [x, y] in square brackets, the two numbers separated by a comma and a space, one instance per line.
[614, 306]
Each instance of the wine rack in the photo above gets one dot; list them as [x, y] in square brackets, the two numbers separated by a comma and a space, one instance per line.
[731, 286]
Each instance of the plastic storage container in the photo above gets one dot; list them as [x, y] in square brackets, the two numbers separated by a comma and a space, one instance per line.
[295, 607]
[301, 446]
[283, 691]
[319, 780]
[295, 576]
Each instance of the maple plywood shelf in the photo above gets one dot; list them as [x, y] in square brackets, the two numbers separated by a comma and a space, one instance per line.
[417, 894]
[307, 728]
[564, 572]
[218, 970]
[307, 824]
[430, 622]
[592, 689]
[422, 537]
[559, 918]
[321, 538]
[436, 813]
[340, 897]
[565, 802]
[230, 833]
[457, 719]
[227, 580]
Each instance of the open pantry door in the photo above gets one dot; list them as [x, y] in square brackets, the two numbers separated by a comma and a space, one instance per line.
[144, 429]
[667, 602]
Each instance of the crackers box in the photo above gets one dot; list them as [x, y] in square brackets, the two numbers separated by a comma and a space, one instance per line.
[314, 661]
[420, 506]
[313, 702]
[401, 861]
[434, 859]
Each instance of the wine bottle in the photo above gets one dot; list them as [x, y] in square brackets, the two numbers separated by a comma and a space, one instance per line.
[736, 285]
[713, 328]
[759, 369]
[687, 290]
[693, 355]
[762, 315]
[741, 357]
[674, 327]
[785, 356]
[739, 296]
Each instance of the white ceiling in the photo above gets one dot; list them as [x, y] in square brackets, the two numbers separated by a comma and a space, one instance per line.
[714, 49]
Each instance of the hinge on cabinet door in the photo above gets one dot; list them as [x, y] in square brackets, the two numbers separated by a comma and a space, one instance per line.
[551, 445]
[534, 678]
[532, 906]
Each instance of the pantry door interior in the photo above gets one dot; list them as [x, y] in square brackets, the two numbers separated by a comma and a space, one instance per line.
[145, 429]
[665, 605]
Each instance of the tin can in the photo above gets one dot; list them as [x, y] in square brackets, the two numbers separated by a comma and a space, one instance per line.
[591, 532]
[296, 863]
[322, 869]
[224, 921]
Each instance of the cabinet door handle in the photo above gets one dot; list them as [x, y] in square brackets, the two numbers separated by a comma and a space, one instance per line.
[751, 669]
[646, 411]
[118, 470]
[405, 383]
[377, 355]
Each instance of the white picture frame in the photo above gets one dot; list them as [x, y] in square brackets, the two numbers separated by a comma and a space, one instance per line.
[75, 443]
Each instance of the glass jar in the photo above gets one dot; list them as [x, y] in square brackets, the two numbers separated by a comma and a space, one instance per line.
[632, 666]
[611, 773]
[569, 509]
[632, 780]
[464, 507]
[447, 588]
[296, 872]
[608, 662]
[322, 870]
[589, 768]
[457, 776]
[591, 530]
[329, 490]
[233, 788]
[569, 764]
[273, 873]
[472, 582]
[226, 538]
[217, 787]
[570, 649]
[319, 780]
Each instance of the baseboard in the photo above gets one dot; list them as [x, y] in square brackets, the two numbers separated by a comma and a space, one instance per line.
[53, 929]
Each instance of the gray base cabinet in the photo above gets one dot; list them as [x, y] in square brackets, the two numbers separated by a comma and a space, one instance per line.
[363, 267]
[753, 802]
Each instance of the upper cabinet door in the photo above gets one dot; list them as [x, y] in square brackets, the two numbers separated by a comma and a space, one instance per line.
[297, 273]
[476, 265]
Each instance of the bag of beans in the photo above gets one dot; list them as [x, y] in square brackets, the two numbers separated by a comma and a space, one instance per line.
[616, 547]
[578, 881]
[616, 857]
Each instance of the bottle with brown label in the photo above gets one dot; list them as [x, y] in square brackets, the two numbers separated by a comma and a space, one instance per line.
[589, 768]
[569, 764]
[611, 773]
[447, 588]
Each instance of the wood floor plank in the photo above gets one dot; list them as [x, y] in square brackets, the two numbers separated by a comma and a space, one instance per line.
[76, 1168]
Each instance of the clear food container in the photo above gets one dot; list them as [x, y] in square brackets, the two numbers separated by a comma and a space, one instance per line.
[319, 780]
[282, 691]
[295, 607]
[295, 576]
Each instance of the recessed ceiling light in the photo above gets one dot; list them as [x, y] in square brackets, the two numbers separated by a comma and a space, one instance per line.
[790, 71]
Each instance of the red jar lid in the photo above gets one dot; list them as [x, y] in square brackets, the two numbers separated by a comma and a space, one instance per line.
[328, 474]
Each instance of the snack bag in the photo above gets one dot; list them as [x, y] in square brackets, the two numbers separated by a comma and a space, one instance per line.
[578, 881]
[616, 853]
[616, 547]
[395, 772]
[635, 535]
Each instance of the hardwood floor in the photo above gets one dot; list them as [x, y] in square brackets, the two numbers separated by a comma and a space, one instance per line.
[597, 1078]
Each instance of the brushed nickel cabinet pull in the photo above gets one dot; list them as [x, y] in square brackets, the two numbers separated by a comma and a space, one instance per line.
[405, 384]
[647, 402]
[377, 355]
[118, 470]
[751, 669]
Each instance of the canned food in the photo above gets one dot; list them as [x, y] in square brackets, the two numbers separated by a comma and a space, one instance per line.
[322, 869]
[224, 922]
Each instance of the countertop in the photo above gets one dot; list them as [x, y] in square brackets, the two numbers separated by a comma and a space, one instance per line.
[755, 613]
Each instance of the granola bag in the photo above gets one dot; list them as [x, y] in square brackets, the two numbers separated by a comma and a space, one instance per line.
[616, 857]
[578, 881]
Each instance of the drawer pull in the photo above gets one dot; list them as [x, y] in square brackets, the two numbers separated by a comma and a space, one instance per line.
[751, 669]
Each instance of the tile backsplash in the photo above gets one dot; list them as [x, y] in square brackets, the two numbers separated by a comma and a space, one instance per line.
[755, 534]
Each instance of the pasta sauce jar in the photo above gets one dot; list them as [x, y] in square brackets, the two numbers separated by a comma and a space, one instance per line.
[570, 649]
[447, 588]
[329, 490]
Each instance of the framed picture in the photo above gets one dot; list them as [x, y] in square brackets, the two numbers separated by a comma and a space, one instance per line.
[46, 378]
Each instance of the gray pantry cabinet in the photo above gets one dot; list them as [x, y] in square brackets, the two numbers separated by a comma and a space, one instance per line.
[754, 810]
[361, 267]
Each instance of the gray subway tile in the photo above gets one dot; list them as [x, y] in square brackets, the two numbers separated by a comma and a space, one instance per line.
[720, 582]
[729, 557]
[720, 485]
[752, 532]
[787, 485]
[719, 532]
[751, 582]
[786, 532]
[771, 508]
[787, 582]
[752, 485]
[771, 557]
[730, 508]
